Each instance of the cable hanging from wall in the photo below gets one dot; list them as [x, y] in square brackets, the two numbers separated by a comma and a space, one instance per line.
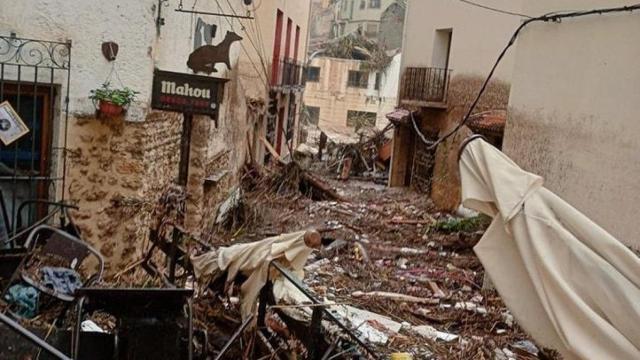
[551, 17]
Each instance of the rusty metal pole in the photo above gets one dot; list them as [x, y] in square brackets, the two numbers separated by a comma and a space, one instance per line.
[315, 334]
[183, 177]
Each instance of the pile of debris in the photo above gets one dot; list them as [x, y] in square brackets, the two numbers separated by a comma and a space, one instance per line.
[394, 276]
[400, 274]
[367, 158]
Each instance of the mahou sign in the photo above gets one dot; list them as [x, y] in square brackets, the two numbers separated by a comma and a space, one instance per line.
[185, 93]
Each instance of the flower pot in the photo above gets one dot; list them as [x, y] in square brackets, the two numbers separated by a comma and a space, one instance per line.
[109, 109]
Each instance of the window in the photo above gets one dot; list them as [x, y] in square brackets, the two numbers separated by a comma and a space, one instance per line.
[371, 30]
[358, 79]
[360, 119]
[313, 74]
[374, 4]
[378, 79]
[312, 114]
[363, 4]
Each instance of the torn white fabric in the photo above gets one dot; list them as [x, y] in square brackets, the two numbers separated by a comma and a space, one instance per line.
[569, 283]
[253, 261]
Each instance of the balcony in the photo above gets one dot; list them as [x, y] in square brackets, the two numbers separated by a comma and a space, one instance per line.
[425, 87]
[290, 75]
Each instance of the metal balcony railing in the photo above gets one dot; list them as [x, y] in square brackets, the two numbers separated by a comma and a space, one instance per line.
[290, 74]
[425, 85]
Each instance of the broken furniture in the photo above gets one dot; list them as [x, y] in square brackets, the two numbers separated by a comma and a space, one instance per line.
[172, 249]
[151, 323]
[313, 334]
[12, 239]
[71, 252]
[33, 338]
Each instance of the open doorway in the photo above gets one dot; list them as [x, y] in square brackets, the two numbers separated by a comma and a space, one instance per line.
[442, 49]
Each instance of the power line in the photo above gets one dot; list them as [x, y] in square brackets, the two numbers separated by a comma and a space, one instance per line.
[495, 9]
[255, 67]
[243, 28]
[544, 18]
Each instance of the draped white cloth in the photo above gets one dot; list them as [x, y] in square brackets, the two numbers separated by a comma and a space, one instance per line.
[253, 261]
[568, 282]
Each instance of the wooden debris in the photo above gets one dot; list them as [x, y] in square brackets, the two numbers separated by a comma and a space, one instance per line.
[395, 297]
[437, 292]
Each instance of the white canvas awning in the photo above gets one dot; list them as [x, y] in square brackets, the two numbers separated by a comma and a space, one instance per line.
[568, 282]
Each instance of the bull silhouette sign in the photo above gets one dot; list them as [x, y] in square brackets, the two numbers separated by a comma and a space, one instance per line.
[205, 58]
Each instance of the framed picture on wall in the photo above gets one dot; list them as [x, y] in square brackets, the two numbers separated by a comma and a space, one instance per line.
[12, 127]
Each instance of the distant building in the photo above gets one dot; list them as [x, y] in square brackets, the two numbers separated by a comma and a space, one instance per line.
[572, 112]
[361, 16]
[321, 23]
[391, 25]
[448, 50]
[341, 98]
[333, 100]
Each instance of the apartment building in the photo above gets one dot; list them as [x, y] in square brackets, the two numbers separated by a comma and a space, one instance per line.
[449, 48]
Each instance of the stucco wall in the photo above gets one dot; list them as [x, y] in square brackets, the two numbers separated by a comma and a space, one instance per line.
[478, 34]
[334, 98]
[572, 112]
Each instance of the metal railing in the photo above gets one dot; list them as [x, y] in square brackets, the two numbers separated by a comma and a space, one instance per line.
[290, 74]
[315, 333]
[425, 84]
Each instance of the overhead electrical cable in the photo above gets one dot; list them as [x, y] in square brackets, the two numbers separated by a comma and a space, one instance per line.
[243, 28]
[506, 12]
[246, 52]
[544, 18]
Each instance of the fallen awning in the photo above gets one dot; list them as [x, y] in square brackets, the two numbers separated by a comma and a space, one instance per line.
[569, 283]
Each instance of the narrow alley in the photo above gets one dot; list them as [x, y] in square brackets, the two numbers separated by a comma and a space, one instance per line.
[319, 180]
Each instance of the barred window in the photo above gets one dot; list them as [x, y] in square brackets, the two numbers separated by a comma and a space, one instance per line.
[358, 79]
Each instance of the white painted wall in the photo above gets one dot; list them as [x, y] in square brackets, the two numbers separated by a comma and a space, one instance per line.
[88, 23]
[573, 117]
[478, 34]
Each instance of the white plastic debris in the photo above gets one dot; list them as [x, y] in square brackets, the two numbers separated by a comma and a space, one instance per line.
[470, 306]
[432, 333]
[373, 328]
[526, 346]
[507, 318]
[90, 326]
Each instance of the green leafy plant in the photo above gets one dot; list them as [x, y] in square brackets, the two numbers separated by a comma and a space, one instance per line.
[473, 224]
[121, 97]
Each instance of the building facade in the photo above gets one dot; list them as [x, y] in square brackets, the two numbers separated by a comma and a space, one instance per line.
[571, 113]
[116, 168]
[361, 16]
[448, 49]
[341, 98]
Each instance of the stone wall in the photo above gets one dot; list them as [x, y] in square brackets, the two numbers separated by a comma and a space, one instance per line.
[445, 189]
[117, 169]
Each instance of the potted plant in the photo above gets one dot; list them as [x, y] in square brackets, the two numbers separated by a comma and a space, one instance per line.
[112, 102]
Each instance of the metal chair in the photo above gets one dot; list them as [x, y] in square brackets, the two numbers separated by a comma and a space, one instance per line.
[64, 246]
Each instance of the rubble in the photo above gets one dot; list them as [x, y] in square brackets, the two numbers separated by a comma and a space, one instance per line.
[396, 272]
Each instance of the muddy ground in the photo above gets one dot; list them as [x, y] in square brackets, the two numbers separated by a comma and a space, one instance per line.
[394, 240]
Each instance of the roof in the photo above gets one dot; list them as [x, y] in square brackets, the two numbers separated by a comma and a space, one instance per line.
[490, 122]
